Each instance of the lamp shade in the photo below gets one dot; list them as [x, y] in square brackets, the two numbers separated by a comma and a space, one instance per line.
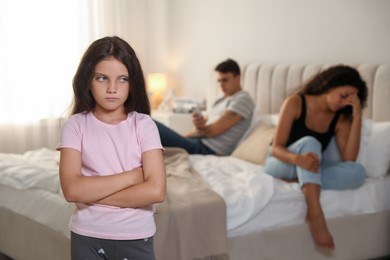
[157, 84]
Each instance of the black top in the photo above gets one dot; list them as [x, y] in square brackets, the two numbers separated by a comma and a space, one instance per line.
[299, 129]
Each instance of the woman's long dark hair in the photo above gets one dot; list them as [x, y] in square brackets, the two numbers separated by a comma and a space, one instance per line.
[100, 49]
[333, 77]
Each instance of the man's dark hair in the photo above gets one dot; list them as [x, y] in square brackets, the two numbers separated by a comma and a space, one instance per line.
[228, 65]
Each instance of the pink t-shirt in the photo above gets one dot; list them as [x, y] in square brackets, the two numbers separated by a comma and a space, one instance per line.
[108, 149]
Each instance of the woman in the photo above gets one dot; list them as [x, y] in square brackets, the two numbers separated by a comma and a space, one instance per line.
[329, 105]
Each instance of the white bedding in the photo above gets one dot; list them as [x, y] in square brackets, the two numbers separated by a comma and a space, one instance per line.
[256, 202]
[241, 184]
[36, 169]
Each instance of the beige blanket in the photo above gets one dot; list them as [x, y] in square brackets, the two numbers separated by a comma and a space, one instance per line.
[191, 223]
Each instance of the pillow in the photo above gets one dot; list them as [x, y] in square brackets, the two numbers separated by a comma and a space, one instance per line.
[258, 119]
[378, 150]
[255, 146]
[364, 139]
[331, 154]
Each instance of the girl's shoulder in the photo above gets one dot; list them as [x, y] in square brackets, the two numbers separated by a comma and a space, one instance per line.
[77, 121]
[74, 117]
[79, 116]
[139, 118]
[142, 122]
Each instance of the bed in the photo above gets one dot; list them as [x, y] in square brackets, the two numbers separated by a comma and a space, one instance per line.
[224, 207]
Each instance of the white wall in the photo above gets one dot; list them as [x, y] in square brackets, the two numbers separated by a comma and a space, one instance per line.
[200, 33]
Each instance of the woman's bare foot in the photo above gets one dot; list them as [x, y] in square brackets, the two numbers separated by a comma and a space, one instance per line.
[315, 217]
[320, 233]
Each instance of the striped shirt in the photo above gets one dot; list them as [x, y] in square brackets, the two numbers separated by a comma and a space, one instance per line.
[240, 103]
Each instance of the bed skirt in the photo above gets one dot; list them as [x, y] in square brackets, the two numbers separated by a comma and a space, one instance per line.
[370, 234]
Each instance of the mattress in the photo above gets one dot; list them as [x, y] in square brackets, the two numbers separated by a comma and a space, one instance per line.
[273, 203]
[32, 203]
[255, 201]
[29, 186]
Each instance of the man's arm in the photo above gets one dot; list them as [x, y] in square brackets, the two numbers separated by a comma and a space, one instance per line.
[224, 123]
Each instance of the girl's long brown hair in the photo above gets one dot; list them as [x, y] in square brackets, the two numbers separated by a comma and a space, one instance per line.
[100, 49]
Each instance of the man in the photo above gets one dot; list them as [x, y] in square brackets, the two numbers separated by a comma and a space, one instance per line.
[229, 118]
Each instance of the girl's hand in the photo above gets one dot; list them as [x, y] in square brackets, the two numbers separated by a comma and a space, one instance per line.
[309, 161]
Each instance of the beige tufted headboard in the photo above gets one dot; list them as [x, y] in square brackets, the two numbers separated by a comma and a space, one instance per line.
[270, 84]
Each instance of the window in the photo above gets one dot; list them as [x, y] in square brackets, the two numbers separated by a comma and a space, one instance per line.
[41, 43]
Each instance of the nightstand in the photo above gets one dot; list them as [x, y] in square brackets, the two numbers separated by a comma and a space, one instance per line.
[180, 122]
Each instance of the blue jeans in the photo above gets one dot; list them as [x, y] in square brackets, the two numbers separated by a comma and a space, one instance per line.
[170, 138]
[334, 174]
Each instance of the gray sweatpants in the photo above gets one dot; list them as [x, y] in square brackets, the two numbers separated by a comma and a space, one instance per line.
[90, 248]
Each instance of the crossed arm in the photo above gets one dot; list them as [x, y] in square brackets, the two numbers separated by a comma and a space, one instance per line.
[138, 187]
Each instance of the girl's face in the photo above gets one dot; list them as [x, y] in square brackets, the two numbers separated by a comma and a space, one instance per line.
[110, 86]
[340, 97]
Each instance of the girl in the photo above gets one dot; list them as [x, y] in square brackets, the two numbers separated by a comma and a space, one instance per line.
[111, 162]
[328, 105]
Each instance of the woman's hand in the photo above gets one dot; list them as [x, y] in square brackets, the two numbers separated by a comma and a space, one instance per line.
[309, 161]
[348, 132]
[354, 102]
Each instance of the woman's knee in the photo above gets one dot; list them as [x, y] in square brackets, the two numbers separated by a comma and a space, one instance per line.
[347, 175]
[309, 139]
[358, 173]
[278, 169]
[305, 144]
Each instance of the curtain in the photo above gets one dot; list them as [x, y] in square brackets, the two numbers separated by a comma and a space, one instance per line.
[127, 19]
[41, 43]
[19, 138]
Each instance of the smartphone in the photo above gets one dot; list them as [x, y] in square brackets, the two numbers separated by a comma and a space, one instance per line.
[197, 111]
